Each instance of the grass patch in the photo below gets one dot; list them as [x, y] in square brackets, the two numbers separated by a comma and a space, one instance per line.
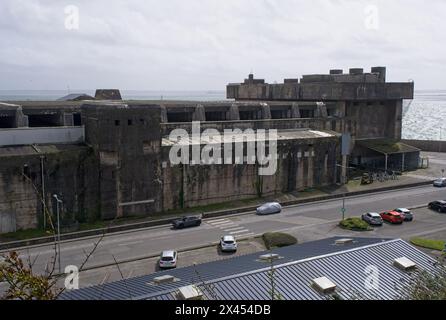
[428, 243]
[25, 234]
[355, 224]
[278, 239]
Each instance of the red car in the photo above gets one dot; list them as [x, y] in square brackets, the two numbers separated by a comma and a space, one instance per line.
[392, 217]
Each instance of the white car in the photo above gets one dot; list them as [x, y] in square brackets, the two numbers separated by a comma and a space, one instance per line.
[406, 213]
[228, 243]
[168, 259]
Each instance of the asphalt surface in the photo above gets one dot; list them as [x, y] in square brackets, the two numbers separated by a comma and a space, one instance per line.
[307, 222]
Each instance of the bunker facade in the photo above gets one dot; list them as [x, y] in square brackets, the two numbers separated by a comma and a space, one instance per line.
[112, 158]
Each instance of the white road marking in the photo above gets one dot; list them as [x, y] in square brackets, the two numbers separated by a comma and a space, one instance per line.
[228, 224]
[239, 231]
[235, 228]
[216, 220]
[130, 243]
[219, 223]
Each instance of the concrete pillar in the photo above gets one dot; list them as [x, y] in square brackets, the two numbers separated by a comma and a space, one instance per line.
[398, 119]
[21, 120]
[234, 113]
[164, 114]
[402, 161]
[68, 119]
[295, 111]
[199, 113]
[321, 111]
[385, 164]
[266, 111]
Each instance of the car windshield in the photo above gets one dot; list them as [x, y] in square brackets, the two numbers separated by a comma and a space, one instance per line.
[167, 258]
[228, 241]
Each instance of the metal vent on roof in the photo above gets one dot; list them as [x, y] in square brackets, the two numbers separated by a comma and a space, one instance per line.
[164, 279]
[404, 264]
[191, 292]
[344, 241]
[323, 285]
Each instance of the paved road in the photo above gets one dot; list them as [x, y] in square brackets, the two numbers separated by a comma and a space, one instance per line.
[307, 221]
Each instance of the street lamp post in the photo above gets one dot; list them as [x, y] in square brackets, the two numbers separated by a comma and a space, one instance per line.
[58, 230]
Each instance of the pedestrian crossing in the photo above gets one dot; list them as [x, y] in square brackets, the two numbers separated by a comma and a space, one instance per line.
[230, 227]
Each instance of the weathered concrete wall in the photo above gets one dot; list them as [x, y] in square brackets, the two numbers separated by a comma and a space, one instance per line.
[301, 164]
[69, 171]
[28, 136]
[127, 142]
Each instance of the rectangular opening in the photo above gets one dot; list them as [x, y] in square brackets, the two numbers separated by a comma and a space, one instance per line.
[77, 120]
[307, 113]
[179, 117]
[248, 115]
[43, 120]
[279, 113]
[7, 122]
[129, 122]
[215, 116]
[117, 122]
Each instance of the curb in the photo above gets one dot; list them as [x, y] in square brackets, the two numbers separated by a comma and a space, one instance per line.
[160, 222]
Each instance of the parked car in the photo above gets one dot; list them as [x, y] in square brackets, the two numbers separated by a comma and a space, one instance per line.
[372, 218]
[440, 182]
[228, 243]
[168, 259]
[269, 208]
[439, 205]
[186, 222]
[392, 217]
[406, 213]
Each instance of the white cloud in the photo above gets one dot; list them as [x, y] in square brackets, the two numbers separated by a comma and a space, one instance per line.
[204, 44]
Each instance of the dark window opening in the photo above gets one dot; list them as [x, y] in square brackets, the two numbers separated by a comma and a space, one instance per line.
[179, 117]
[77, 120]
[43, 120]
[117, 122]
[331, 112]
[279, 114]
[7, 122]
[142, 121]
[307, 113]
[215, 116]
[248, 115]
[129, 122]
[356, 104]
[26, 171]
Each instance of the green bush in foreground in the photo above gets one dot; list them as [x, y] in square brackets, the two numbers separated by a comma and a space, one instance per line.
[355, 224]
[278, 239]
[428, 243]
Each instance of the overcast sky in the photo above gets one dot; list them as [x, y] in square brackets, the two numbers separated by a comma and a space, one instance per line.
[204, 44]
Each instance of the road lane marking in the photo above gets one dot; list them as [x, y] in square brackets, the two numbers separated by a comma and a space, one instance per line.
[235, 228]
[216, 220]
[219, 223]
[228, 224]
[239, 231]
[130, 243]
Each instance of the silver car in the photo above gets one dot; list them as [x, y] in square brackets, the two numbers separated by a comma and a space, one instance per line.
[228, 243]
[406, 213]
[269, 208]
[168, 259]
[440, 182]
[372, 218]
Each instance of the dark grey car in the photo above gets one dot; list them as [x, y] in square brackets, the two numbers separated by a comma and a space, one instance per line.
[372, 218]
[186, 222]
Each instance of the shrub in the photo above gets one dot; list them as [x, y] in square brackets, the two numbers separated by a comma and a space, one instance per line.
[278, 239]
[355, 224]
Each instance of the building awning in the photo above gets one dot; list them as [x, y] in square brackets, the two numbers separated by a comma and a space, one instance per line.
[387, 146]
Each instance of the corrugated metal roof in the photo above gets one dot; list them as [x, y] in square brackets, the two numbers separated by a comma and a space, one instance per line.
[222, 272]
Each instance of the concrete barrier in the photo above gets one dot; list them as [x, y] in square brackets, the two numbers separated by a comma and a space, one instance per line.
[207, 215]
